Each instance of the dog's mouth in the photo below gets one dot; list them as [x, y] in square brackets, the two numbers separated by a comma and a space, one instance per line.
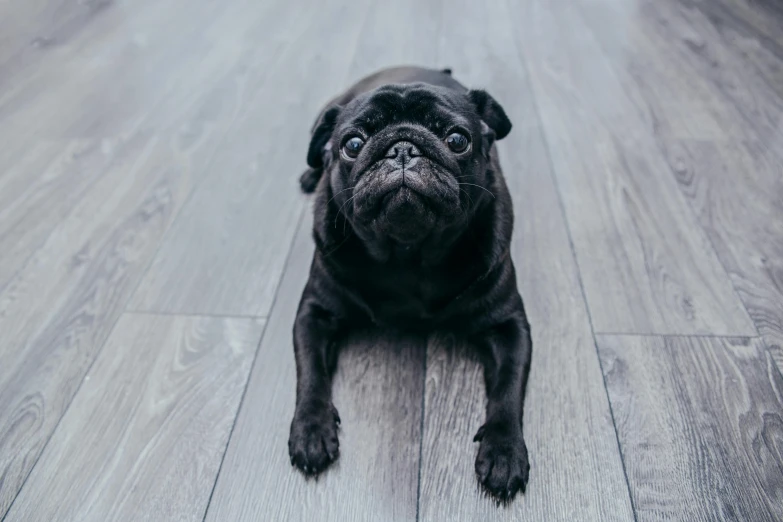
[407, 215]
[406, 205]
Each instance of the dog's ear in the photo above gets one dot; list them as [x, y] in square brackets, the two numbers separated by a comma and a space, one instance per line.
[322, 131]
[321, 134]
[491, 113]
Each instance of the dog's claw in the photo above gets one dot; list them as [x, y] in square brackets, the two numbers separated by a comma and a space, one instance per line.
[483, 469]
[313, 443]
[479, 434]
[332, 448]
[502, 463]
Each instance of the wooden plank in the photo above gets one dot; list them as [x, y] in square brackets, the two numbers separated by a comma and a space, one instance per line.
[40, 189]
[379, 385]
[57, 312]
[761, 20]
[745, 46]
[160, 62]
[414, 41]
[37, 192]
[28, 27]
[576, 471]
[246, 240]
[705, 70]
[245, 213]
[377, 390]
[684, 60]
[653, 58]
[144, 436]
[646, 265]
[699, 422]
[77, 46]
[735, 190]
[16, 167]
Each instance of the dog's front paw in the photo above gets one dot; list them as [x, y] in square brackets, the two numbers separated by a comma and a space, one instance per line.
[313, 443]
[501, 465]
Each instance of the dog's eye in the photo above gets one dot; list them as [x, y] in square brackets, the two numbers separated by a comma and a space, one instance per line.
[353, 146]
[457, 142]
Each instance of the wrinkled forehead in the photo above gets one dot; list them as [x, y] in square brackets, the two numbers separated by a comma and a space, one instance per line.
[436, 108]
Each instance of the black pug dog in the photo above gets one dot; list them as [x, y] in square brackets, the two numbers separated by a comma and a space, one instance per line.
[412, 228]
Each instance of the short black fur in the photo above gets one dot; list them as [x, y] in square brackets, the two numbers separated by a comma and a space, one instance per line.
[411, 234]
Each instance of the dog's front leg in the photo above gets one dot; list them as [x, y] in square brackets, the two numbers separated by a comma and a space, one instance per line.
[313, 443]
[502, 462]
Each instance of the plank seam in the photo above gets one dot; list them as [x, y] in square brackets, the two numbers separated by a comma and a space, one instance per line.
[683, 199]
[567, 226]
[421, 427]
[439, 60]
[204, 171]
[143, 157]
[198, 314]
[253, 365]
[297, 230]
[683, 336]
[62, 416]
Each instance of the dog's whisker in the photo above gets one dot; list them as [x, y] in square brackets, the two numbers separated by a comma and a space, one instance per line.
[345, 222]
[341, 210]
[345, 216]
[343, 190]
[468, 195]
[479, 186]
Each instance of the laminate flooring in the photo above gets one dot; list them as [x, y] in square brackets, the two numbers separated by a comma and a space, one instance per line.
[154, 244]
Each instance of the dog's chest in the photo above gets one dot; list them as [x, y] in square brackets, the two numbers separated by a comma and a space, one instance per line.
[406, 297]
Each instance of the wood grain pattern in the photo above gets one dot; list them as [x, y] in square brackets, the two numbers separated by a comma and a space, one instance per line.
[418, 29]
[647, 267]
[56, 313]
[42, 187]
[161, 64]
[715, 64]
[761, 19]
[245, 213]
[169, 135]
[377, 390]
[736, 191]
[144, 436]
[576, 472]
[16, 166]
[35, 196]
[379, 385]
[704, 72]
[38, 24]
[745, 48]
[700, 422]
[654, 58]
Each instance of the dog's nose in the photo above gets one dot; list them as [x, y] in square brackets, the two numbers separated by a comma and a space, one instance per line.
[403, 152]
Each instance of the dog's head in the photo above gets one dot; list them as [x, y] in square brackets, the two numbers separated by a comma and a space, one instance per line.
[406, 160]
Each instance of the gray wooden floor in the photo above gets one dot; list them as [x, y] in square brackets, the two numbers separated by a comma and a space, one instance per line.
[153, 246]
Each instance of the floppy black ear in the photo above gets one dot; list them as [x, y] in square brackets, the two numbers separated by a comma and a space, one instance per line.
[322, 131]
[491, 113]
[321, 134]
